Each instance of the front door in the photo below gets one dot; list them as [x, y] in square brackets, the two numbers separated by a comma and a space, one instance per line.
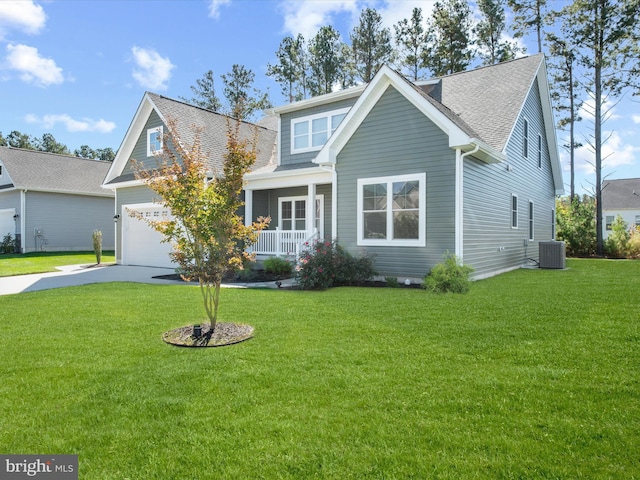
[293, 211]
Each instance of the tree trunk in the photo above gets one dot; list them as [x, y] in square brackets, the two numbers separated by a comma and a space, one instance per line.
[599, 47]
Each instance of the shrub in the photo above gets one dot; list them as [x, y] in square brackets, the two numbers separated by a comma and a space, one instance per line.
[576, 221]
[449, 276]
[392, 282]
[278, 266]
[97, 245]
[634, 243]
[327, 264]
[617, 243]
[7, 245]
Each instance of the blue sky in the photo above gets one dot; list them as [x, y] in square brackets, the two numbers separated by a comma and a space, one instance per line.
[78, 69]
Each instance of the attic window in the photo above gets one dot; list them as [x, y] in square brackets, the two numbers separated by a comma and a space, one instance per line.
[312, 132]
[154, 141]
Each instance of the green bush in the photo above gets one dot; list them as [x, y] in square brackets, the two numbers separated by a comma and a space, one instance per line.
[576, 222]
[327, 264]
[617, 243]
[449, 276]
[278, 266]
[7, 245]
[392, 282]
[634, 243]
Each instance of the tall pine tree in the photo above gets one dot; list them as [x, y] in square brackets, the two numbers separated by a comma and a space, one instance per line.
[371, 44]
[489, 31]
[291, 68]
[411, 38]
[326, 62]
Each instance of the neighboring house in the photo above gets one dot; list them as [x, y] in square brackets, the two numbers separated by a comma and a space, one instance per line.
[466, 164]
[620, 197]
[52, 202]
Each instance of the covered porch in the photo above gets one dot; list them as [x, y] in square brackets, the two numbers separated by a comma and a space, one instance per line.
[300, 203]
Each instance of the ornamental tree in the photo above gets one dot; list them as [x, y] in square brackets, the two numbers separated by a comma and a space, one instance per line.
[208, 235]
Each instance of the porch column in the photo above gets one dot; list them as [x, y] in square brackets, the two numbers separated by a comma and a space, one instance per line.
[248, 206]
[311, 208]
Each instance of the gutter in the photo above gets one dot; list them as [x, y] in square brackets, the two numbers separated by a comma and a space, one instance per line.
[459, 200]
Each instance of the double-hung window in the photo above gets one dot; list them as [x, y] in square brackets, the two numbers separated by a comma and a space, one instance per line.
[530, 220]
[539, 151]
[392, 210]
[525, 139]
[312, 132]
[514, 211]
[154, 141]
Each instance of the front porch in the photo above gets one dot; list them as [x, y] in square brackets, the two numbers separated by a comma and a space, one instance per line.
[283, 243]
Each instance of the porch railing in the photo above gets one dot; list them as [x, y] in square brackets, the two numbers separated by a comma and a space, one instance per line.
[283, 242]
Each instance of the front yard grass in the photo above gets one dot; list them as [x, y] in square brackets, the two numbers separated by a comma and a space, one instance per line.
[533, 374]
[41, 262]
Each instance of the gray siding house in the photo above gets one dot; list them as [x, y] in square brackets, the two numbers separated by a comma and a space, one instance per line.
[52, 202]
[466, 164]
[620, 197]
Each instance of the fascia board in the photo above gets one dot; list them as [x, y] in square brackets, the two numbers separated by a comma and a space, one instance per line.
[319, 100]
[131, 137]
[292, 178]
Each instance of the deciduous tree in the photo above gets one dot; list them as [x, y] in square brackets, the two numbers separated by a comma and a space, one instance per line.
[208, 235]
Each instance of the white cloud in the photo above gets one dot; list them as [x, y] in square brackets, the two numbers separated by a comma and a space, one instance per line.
[32, 67]
[635, 118]
[71, 124]
[152, 71]
[307, 16]
[214, 7]
[21, 15]
[588, 109]
[615, 153]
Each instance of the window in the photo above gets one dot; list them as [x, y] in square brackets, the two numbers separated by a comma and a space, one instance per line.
[392, 210]
[539, 151]
[312, 132]
[609, 221]
[637, 218]
[514, 211]
[293, 213]
[0, 170]
[525, 139]
[530, 220]
[553, 224]
[154, 141]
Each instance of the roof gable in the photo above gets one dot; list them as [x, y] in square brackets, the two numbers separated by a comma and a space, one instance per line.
[213, 138]
[49, 172]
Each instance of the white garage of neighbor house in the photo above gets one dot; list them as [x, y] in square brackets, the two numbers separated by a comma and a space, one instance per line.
[51, 202]
[141, 244]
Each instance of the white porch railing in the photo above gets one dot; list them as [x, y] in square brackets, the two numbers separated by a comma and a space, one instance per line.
[283, 242]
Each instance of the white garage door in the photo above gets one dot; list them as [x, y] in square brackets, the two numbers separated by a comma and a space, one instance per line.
[141, 244]
[7, 223]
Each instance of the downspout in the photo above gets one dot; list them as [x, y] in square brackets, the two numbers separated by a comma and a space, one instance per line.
[23, 220]
[459, 208]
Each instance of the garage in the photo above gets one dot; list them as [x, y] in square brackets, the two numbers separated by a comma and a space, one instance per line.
[7, 223]
[141, 244]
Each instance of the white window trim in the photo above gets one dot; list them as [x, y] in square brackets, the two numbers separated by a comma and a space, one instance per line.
[319, 197]
[531, 223]
[539, 151]
[309, 119]
[511, 211]
[422, 211]
[151, 131]
[525, 139]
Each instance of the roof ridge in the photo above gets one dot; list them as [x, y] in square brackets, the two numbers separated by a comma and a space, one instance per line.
[187, 104]
[65, 155]
[484, 67]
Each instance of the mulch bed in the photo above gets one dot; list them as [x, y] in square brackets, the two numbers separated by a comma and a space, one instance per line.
[224, 334]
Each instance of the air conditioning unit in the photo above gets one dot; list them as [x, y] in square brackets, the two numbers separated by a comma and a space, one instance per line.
[552, 254]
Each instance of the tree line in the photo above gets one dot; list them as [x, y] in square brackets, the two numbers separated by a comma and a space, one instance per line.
[48, 143]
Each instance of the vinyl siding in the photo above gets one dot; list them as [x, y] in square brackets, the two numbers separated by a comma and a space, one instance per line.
[285, 134]
[139, 152]
[490, 244]
[397, 139]
[67, 222]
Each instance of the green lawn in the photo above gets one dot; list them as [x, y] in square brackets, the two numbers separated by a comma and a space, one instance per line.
[40, 262]
[533, 374]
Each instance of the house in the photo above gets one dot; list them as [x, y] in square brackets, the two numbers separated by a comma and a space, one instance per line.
[620, 197]
[466, 164]
[51, 202]
[137, 243]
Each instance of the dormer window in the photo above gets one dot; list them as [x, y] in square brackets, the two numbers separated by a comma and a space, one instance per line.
[312, 132]
[154, 141]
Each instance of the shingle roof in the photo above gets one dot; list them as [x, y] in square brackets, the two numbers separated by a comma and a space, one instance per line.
[44, 171]
[621, 194]
[214, 136]
[489, 99]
